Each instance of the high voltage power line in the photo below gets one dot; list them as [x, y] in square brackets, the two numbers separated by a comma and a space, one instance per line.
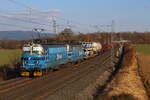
[30, 11]
[54, 21]
[19, 3]
[55, 25]
[12, 25]
[22, 20]
[98, 27]
[74, 24]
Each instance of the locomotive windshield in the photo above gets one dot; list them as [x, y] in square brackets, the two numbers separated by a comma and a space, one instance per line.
[34, 49]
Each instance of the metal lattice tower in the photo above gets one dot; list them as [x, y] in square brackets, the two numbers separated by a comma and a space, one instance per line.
[54, 25]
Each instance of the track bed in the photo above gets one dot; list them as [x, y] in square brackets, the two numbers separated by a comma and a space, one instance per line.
[64, 84]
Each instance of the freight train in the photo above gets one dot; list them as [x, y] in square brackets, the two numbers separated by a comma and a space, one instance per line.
[38, 58]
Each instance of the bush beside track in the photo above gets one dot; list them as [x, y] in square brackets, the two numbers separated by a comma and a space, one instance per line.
[9, 63]
[9, 72]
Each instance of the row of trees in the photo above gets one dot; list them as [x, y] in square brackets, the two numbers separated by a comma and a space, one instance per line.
[68, 36]
[10, 44]
[103, 37]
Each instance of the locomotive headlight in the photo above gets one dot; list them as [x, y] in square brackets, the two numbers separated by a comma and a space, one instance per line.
[25, 62]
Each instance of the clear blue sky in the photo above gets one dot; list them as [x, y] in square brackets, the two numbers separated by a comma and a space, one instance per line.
[129, 15]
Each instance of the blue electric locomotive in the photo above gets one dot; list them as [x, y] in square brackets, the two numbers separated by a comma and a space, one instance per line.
[37, 58]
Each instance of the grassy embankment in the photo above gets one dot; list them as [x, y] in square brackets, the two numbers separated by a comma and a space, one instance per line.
[144, 49]
[9, 61]
[9, 57]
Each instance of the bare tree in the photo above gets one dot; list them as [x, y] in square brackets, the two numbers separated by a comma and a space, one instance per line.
[67, 32]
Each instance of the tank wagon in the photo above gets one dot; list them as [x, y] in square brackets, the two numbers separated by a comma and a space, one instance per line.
[91, 48]
[37, 58]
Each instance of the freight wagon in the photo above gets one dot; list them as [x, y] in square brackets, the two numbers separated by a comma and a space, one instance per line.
[91, 48]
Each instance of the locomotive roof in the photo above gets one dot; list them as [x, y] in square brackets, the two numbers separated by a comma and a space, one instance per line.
[57, 45]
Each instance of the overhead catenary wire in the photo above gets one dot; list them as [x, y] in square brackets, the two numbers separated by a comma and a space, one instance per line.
[98, 27]
[76, 24]
[13, 25]
[22, 20]
[8, 15]
[19, 3]
[28, 7]
[30, 11]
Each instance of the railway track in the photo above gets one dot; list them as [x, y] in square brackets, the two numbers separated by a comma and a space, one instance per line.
[9, 81]
[42, 87]
[18, 82]
[13, 84]
[70, 80]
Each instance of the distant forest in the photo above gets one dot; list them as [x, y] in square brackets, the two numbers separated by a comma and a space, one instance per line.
[69, 37]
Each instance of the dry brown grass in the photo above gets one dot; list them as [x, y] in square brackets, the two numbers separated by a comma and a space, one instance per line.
[121, 97]
[144, 64]
[127, 81]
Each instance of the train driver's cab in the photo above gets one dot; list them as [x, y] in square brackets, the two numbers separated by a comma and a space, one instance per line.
[33, 49]
[33, 59]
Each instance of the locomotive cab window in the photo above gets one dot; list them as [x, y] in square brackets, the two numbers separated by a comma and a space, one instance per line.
[69, 54]
[33, 49]
[37, 50]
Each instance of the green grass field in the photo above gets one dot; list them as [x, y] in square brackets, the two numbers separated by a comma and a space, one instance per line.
[143, 49]
[9, 56]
